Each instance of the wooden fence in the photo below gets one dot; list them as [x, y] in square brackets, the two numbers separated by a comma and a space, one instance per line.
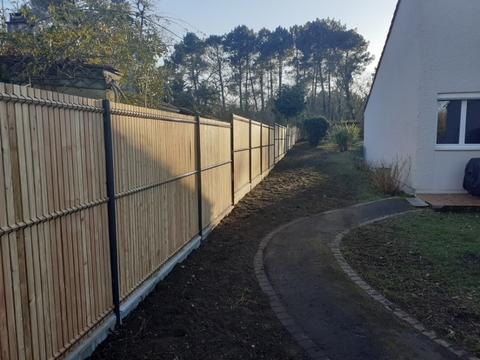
[98, 196]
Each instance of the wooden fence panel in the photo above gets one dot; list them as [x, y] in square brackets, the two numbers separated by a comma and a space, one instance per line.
[156, 189]
[280, 142]
[256, 153]
[216, 166]
[55, 275]
[241, 157]
[271, 151]
[277, 142]
[46, 278]
[265, 129]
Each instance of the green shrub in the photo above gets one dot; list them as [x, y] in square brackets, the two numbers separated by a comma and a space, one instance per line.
[316, 129]
[344, 136]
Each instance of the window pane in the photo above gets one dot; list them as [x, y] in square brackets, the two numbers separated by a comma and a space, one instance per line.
[472, 129]
[448, 125]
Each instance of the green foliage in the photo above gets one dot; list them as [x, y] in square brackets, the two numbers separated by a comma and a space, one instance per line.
[344, 136]
[96, 32]
[339, 169]
[290, 101]
[316, 129]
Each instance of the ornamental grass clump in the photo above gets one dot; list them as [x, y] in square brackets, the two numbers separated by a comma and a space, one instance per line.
[344, 136]
[387, 177]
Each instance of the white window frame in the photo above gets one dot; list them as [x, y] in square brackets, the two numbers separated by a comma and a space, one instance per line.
[464, 97]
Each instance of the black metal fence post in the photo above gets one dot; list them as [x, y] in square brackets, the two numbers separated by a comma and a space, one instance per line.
[112, 222]
[199, 176]
[250, 152]
[261, 150]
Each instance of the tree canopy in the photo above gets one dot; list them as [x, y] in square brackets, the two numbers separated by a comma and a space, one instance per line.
[61, 35]
[246, 72]
[290, 101]
[241, 71]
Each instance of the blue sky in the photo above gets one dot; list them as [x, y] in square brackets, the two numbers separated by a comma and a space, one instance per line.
[371, 18]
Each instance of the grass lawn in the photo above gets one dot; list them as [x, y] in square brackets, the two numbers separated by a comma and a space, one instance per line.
[428, 263]
[340, 165]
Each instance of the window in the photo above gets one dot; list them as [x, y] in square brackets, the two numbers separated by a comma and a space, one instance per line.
[458, 124]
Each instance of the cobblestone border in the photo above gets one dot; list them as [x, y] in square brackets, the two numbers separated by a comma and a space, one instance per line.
[335, 246]
[310, 347]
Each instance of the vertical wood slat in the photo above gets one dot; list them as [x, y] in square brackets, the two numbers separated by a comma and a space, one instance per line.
[50, 228]
[41, 284]
[31, 234]
[6, 218]
[4, 344]
[45, 250]
[61, 228]
[80, 198]
[16, 240]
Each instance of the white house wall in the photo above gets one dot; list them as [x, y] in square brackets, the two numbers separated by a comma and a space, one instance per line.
[391, 113]
[433, 48]
[451, 64]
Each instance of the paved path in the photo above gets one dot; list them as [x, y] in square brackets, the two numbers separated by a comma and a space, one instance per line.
[322, 302]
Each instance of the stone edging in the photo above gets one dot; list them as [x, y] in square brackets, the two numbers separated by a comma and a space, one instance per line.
[310, 347]
[335, 246]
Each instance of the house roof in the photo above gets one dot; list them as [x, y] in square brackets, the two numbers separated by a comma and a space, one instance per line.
[383, 51]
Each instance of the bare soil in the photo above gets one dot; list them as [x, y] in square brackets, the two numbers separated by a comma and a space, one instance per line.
[211, 306]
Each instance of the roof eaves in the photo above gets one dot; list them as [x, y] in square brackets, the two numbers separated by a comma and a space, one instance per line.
[383, 51]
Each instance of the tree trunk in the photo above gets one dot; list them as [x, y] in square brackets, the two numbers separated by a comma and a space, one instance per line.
[247, 75]
[271, 86]
[330, 110]
[322, 85]
[262, 97]
[222, 86]
[253, 93]
[280, 73]
[240, 85]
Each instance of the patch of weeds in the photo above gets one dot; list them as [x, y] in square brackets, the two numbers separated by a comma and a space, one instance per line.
[291, 354]
[267, 326]
[451, 335]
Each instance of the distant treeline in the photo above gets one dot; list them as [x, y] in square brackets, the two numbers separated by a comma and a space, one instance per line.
[245, 71]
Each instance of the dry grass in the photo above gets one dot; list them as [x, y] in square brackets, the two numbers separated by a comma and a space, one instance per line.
[387, 177]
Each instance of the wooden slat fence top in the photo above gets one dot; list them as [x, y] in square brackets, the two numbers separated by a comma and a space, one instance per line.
[145, 113]
[22, 99]
[240, 118]
[204, 121]
[255, 123]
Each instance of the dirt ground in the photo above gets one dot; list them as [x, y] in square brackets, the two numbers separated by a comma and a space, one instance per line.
[211, 306]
